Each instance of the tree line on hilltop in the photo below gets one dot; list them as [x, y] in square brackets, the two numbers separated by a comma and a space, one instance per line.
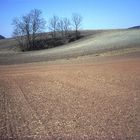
[28, 30]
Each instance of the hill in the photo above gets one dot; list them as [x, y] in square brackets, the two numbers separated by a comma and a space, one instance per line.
[2, 37]
[97, 43]
[135, 27]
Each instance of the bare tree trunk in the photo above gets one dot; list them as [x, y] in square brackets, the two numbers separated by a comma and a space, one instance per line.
[28, 27]
[76, 19]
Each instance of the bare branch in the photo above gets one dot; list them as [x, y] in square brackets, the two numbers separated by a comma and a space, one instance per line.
[53, 24]
[76, 20]
[28, 27]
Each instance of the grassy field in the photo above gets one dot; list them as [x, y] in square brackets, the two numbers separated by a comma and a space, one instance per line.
[95, 43]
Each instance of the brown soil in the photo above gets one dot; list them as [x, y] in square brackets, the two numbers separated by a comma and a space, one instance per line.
[71, 101]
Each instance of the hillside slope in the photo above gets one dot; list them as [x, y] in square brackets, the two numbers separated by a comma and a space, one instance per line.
[93, 44]
[2, 37]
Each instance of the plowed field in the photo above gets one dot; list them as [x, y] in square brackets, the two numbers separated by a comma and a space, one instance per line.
[71, 101]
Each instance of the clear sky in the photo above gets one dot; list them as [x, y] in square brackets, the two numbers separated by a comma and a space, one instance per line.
[97, 14]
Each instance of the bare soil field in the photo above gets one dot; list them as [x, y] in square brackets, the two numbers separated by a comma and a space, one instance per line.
[95, 100]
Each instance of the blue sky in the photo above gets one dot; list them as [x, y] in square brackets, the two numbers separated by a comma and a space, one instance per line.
[97, 14]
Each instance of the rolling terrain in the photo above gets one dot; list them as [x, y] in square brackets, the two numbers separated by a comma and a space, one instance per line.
[89, 89]
[96, 44]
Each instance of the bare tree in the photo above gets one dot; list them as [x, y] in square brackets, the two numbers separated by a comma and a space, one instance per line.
[27, 28]
[37, 24]
[67, 25]
[53, 25]
[76, 22]
[60, 27]
[63, 26]
[19, 32]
